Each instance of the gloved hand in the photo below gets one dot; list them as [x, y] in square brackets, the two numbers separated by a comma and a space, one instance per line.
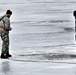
[8, 29]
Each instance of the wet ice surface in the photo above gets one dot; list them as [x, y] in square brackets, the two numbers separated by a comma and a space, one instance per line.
[33, 68]
[42, 40]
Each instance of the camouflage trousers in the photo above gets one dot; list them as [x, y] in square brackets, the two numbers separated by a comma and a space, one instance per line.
[5, 42]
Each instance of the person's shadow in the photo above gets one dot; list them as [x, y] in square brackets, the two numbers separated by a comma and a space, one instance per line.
[6, 68]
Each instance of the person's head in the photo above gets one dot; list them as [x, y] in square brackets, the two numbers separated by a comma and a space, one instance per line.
[8, 13]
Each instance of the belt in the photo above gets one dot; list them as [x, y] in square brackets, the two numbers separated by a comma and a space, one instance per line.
[1, 28]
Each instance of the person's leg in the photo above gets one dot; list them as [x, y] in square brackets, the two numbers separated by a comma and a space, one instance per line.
[75, 25]
[5, 44]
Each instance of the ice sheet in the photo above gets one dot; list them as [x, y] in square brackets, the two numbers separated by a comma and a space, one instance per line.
[43, 38]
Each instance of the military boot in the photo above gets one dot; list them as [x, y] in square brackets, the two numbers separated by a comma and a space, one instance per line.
[4, 56]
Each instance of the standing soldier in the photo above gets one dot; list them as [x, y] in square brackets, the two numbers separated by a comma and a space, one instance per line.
[74, 14]
[4, 33]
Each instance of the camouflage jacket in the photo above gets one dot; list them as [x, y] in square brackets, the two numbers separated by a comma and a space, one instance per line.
[5, 23]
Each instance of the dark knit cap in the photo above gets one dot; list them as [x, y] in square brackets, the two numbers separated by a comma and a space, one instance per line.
[8, 12]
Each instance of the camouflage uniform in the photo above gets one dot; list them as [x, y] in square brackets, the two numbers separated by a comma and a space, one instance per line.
[5, 22]
[5, 44]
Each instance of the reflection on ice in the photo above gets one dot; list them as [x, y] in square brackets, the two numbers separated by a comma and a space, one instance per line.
[5, 67]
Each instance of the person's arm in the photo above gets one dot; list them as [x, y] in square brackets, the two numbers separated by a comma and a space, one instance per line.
[7, 24]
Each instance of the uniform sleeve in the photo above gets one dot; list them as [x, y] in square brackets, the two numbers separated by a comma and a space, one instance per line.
[1, 18]
[7, 23]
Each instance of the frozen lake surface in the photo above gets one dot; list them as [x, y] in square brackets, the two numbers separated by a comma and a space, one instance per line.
[43, 38]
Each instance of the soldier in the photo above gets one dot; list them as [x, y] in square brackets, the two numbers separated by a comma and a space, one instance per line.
[74, 14]
[4, 33]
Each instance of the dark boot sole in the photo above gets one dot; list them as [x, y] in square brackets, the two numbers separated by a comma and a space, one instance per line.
[4, 57]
